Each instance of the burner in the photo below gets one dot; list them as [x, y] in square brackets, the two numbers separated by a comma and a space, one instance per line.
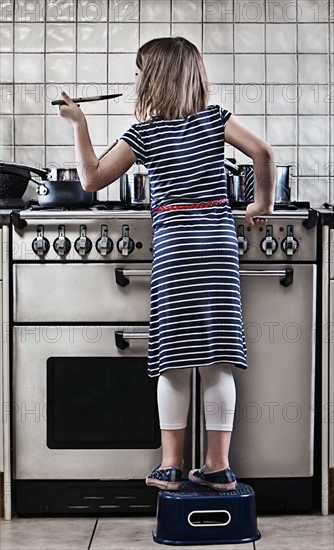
[292, 205]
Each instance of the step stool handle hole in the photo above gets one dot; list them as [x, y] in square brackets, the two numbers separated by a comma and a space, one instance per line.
[209, 518]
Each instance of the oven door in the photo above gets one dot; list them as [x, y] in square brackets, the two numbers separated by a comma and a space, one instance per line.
[83, 407]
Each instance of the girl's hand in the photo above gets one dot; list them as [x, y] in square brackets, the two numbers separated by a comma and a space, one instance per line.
[71, 111]
[254, 210]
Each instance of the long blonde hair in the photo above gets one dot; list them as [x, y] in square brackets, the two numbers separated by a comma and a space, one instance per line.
[173, 83]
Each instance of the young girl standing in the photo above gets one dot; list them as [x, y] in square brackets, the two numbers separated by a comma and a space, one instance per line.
[196, 312]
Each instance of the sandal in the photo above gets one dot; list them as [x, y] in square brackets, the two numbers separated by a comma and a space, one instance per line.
[169, 479]
[222, 480]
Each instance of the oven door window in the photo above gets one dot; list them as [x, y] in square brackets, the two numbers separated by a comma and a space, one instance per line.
[101, 403]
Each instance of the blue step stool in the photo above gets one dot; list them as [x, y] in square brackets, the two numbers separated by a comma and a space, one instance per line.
[200, 515]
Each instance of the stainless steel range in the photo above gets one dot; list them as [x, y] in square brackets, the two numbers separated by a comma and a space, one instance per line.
[81, 281]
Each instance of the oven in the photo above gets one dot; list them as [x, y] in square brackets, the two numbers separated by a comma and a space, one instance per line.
[85, 419]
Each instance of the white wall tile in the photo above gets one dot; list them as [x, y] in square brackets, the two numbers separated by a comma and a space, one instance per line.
[92, 12]
[249, 68]
[217, 37]
[92, 37]
[249, 99]
[125, 104]
[117, 125]
[220, 11]
[249, 12]
[331, 191]
[27, 10]
[31, 34]
[313, 38]
[29, 67]
[6, 153]
[281, 68]
[151, 10]
[219, 67]
[190, 31]
[6, 37]
[60, 37]
[56, 157]
[122, 68]
[313, 130]
[91, 90]
[6, 130]
[313, 99]
[254, 123]
[7, 10]
[314, 191]
[33, 156]
[62, 10]
[283, 11]
[6, 67]
[286, 155]
[281, 38]
[248, 37]
[312, 12]
[124, 10]
[186, 10]
[123, 37]
[58, 131]
[92, 68]
[221, 94]
[313, 68]
[282, 130]
[60, 67]
[313, 161]
[97, 125]
[282, 99]
[148, 31]
[29, 99]
[6, 99]
[29, 130]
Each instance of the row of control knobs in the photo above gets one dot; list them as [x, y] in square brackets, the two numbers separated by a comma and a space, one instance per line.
[269, 244]
[83, 244]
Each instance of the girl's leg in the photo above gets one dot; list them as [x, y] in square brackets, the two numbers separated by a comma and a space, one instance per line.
[173, 405]
[219, 395]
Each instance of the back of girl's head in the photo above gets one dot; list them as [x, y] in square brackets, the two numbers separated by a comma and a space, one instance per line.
[173, 82]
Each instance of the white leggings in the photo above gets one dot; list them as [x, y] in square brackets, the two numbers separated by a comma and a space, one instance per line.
[218, 391]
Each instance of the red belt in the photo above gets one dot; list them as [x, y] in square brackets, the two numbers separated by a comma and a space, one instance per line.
[188, 206]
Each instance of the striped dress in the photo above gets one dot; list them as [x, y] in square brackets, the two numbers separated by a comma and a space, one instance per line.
[196, 312]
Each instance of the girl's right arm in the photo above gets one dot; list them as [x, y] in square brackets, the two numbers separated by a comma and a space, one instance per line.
[94, 174]
[250, 144]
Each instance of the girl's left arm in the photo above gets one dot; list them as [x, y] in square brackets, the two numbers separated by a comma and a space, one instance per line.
[94, 174]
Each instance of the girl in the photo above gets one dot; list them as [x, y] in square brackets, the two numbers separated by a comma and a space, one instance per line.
[196, 313]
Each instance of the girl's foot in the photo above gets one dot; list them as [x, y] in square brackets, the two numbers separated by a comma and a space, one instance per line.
[169, 479]
[223, 480]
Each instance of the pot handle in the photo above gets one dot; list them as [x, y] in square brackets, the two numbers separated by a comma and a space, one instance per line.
[41, 189]
[16, 169]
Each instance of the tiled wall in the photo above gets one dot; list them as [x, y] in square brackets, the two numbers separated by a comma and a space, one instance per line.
[271, 62]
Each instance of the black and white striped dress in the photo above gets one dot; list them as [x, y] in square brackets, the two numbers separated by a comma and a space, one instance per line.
[196, 311]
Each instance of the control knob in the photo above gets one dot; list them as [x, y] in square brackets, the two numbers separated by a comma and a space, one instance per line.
[269, 245]
[243, 242]
[289, 244]
[125, 245]
[62, 245]
[104, 244]
[83, 245]
[40, 244]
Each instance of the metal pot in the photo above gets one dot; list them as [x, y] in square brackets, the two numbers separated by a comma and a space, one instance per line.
[14, 179]
[241, 182]
[135, 189]
[63, 193]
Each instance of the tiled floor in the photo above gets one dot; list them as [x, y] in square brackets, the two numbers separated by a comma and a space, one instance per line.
[290, 532]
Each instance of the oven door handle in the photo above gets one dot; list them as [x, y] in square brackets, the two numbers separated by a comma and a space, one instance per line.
[123, 274]
[286, 273]
[122, 337]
